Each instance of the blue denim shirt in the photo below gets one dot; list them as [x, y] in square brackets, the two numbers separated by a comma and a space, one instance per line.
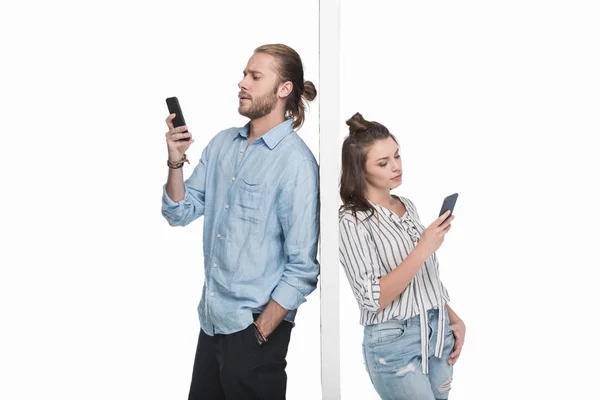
[261, 224]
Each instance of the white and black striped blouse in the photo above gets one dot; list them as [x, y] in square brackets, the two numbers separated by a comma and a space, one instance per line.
[371, 248]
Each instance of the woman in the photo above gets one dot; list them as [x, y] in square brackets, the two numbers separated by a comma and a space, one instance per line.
[412, 338]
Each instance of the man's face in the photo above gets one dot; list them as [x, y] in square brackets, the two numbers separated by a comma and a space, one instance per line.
[258, 90]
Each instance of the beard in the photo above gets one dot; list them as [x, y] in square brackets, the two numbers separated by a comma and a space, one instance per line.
[260, 106]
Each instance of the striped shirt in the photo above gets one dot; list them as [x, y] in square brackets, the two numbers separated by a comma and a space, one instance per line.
[371, 249]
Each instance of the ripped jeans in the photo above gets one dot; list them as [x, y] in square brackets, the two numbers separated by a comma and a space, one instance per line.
[392, 353]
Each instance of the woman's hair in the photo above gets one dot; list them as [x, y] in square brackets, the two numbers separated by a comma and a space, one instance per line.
[363, 134]
[289, 68]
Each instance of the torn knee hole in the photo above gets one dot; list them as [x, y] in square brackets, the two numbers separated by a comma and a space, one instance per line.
[445, 386]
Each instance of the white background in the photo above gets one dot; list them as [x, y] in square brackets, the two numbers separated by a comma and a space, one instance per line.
[98, 294]
[499, 102]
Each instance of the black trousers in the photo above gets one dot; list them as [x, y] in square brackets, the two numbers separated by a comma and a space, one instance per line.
[236, 367]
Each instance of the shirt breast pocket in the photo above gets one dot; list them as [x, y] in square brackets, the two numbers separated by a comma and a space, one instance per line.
[248, 200]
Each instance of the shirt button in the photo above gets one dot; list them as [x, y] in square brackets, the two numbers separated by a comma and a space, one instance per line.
[226, 205]
[214, 265]
[233, 179]
[212, 294]
[218, 235]
[241, 150]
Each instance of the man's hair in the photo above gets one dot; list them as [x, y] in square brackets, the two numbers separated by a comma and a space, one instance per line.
[289, 68]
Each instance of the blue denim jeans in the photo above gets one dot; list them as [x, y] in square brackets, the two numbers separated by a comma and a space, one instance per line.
[392, 352]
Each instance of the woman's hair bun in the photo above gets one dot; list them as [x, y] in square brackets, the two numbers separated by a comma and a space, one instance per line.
[358, 124]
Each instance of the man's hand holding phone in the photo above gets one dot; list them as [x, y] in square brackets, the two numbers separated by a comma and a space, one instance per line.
[176, 146]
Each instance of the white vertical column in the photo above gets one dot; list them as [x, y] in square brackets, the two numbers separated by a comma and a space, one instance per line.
[329, 160]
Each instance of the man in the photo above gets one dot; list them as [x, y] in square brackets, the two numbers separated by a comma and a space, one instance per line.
[258, 189]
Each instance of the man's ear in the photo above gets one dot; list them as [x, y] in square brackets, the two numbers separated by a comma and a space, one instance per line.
[285, 89]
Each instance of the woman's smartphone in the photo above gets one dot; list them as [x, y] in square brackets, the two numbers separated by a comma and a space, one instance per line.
[449, 203]
[175, 108]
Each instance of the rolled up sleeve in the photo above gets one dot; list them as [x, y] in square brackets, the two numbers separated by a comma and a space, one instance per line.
[181, 213]
[358, 257]
[298, 212]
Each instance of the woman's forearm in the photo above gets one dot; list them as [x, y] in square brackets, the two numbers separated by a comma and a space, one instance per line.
[394, 283]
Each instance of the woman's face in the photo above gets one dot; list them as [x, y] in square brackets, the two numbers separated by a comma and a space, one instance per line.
[384, 166]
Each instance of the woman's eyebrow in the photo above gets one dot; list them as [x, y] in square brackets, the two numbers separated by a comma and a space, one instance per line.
[385, 158]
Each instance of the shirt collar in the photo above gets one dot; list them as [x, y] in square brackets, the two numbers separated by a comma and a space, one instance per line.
[273, 136]
[386, 211]
[380, 209]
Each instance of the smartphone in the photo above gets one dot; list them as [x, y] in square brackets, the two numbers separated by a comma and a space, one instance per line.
[448, 204]
[175, 108]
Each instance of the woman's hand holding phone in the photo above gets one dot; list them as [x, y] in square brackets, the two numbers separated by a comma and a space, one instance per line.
[433, 236]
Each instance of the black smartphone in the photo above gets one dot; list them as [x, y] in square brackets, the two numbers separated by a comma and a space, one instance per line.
[448, 204]
[175, 108]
